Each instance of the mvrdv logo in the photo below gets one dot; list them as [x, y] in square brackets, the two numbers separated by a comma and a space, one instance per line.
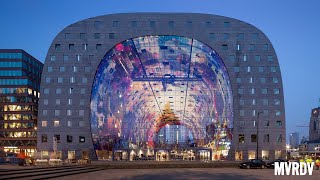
[293, 168]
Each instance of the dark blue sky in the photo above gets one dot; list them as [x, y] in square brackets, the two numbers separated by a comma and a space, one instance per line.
[293, 27]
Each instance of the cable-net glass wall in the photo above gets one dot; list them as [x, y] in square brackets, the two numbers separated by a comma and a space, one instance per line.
[161, 92]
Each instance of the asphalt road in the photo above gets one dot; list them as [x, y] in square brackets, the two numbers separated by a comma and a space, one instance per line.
[188, 173]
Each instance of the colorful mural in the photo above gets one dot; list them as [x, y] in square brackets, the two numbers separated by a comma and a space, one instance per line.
[161, 92]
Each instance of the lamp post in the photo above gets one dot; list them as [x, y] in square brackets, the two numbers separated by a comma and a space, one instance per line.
[287, 149]
[257, 150]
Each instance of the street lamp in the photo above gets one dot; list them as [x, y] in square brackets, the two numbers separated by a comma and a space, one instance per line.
[257, 152]
[287, 148]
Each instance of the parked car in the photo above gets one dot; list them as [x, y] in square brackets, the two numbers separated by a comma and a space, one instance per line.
[253, 163]
[271, 164]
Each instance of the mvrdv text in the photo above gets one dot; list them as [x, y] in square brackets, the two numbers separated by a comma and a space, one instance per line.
[293, 168]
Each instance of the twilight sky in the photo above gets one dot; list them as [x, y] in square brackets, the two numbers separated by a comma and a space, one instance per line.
[293, 26]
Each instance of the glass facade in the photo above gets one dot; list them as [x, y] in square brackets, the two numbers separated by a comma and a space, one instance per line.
[162, 92]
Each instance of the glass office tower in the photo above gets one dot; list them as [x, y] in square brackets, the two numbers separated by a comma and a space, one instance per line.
[20, 75]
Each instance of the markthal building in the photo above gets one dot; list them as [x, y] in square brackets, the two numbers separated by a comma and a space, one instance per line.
[162, 87]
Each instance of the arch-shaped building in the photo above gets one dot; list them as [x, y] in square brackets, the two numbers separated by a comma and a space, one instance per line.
[161, 86]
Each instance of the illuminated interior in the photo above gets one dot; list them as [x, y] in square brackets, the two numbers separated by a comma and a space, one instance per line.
[161, 92]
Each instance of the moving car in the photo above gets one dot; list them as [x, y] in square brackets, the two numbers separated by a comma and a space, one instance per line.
[253, 163]
[271, 164]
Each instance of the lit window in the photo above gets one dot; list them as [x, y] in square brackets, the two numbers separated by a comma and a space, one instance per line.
[49, 69]
[69, 123]
[251, 80]
[82, 139]
[252, 90]
[69, 101]
[69, 112]
[254, 113]
[70, 90]
[72, 79]
[44, 123]
[78, 57]
[74, 68]
[57, 112]
[84, 47]
[278, 113]
[241, 138]
[238, 47]
[253, 101]
[249, 69]
[244, 57]
[52, 58]
[276, 91]
[56, 123]
[276, 102]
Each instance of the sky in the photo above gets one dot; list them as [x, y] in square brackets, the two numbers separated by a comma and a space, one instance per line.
[293, 27]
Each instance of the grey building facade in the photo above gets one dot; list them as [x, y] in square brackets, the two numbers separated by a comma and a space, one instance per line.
[76, 52]
[314, 128]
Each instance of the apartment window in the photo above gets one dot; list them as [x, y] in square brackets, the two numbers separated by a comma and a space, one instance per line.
[265, 102]
[279, 123]
[241, 138]
[44, 123]
[69, 123]
[266, 123]
[58, 91]
[240, 91]
[244, 57]
[69, 101]
[171, 24]
[52, 58]
[69, 138]
[241, 112]
[242, 123]
[238, 80]
[254, 113]
[208, 24]
[46, 91]
[252, 91]
[276, 91]
[44, 138]
[251, 47]
[72, 79]
[81, 112]
[84, 80]
[67, 36]
[57, 113]
[69, 112]
[56, 123]
[270, 58]
[65, 58]
[111, 36]
[265, 112]
[275, 80]
[257, 58]
[266, 138]
[97, 24]
[62, 69]
[48, 80]
[70, 90]
[266, 47]
[249, 69]
[71, 46]
[45, 101]
[84, 47]
[83, 36]
[276, 102]
[255, 36]
[82, 139]
[260, 69]
[278, 113]
[58, 102]
[232, 57]
[253, 101]
[82, 102]
[152, 24]
[57, 137]
[82, 91]
[81, 124]
[87, 69]
[273, 69]
[134, 24]
[225, 47]
[212, 36]
[115, 23]
[236, 69]
[189, 24]
[78, 57]
[238, 47]
[251, 80]
[98, 46]
[240, 36]
[262, 80]
[44, 112]
[57, 47]
[264, 91]
[60, 80]
[279, 138]
[49, 69]
[226, 24]
[241, 102]
[74, 68]
[226, 36]
[97, 35]
[253, 138]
